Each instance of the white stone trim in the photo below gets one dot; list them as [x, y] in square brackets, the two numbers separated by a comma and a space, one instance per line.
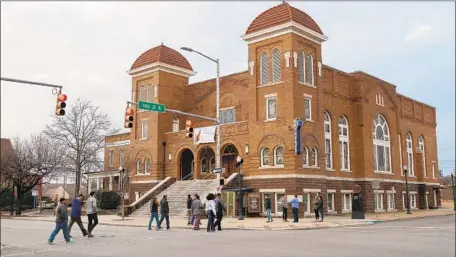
[270, 95]
[251, 65]
[287, 56]
[311, 190]
[330, 191]
[284, 176]
[345, 191]
[295, 59]
[143, 181]
[379, 191]
[319, 68]
[282, 29]
[307, 95]
[410, 192]
[118, 143]
[274, 190]
[160, 66]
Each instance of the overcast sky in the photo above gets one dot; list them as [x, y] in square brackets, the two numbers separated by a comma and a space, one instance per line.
[88, 46]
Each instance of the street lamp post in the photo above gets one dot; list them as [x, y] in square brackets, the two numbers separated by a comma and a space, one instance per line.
[122, 188]
[453, 187]
[217, 107]
[239, 162]
[407, 189]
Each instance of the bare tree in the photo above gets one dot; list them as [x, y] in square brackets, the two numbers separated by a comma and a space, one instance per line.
[7, 156]
[34, 159]
[82, 131]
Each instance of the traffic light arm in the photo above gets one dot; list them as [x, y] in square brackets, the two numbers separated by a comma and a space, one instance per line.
[184, 113]
[31, 82]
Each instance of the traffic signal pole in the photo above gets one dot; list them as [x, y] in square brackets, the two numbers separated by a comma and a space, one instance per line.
[31, 82]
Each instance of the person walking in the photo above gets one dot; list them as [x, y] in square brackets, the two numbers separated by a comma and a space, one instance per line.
[210, 212]
[316, 207]
[164, 211]
[320, 207]
[61, 222]
[284, 208]
[219, 209]
[268, 208]
[76, 214]
[189, 210]
[153, 212]
[197, 207]
[294, 208]
[91, 209]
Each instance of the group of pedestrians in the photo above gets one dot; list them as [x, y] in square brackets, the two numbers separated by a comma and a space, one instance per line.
[164, 212]
[61, 217]
[318, 208]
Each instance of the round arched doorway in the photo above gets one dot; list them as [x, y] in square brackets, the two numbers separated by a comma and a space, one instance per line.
[229, 154]
[186, 165]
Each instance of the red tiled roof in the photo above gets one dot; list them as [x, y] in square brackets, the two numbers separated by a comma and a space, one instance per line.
[162, 54]
[281, 14]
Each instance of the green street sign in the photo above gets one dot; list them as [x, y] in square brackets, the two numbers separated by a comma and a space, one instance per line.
[154, 107]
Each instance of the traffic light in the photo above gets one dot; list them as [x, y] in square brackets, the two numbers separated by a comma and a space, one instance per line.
[129, 118]
[189, 129]
[60, 108]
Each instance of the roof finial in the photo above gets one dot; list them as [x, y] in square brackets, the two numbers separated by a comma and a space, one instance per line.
[283, 2]
[162, 43]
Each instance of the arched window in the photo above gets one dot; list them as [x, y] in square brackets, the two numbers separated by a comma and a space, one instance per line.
[139, 167]
[301, 67]
[328, 141]
[276, 69]
[264, 68]
[381, 143]
[212, 164]
[305, 156]
[278, 156]
[147, 167]
[421, 147]
[409, 142]
[265, 157]
[309, 70]
[314, 157]
[176, 124]
[344, 144]
[204, 165]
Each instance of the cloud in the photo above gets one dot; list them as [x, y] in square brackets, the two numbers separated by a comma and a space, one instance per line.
[420, 32]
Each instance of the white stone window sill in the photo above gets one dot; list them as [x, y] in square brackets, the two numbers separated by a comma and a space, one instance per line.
[310, 167]
[271, 167]
[143, 139]
[270, 120]
[383, 172]
[330, 169]
[270, 84]
[392, 210]
[346, 170]
[346, 211]
[307, 84]
[309, 120]
[379, 211]
[141, 174]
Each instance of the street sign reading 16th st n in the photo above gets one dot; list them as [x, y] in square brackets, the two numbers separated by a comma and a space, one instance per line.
[154, 107]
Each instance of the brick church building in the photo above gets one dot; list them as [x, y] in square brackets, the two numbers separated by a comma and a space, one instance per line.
[357, 129]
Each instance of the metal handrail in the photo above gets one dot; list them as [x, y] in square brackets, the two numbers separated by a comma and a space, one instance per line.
[207, 175]
[189, 176]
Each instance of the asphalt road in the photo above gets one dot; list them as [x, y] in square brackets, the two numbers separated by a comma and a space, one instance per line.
[433, 236]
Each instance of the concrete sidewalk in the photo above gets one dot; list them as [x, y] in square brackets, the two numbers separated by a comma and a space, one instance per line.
[260, 223]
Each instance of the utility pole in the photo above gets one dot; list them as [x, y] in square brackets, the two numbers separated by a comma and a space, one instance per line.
[453, 187]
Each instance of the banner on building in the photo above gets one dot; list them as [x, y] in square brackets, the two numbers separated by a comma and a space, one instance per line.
[204, 135]
[297, 129]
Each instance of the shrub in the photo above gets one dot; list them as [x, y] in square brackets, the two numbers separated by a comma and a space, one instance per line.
[109, 200]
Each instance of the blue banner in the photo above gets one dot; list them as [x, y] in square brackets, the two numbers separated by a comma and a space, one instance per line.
[297, 127]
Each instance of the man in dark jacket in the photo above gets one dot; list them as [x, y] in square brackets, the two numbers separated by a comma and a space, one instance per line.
[61, 222]
[189, 210]
[76, 214]
[164, 211]
[219, 208]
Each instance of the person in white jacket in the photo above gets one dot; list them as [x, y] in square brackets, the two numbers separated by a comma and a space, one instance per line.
[210, 212]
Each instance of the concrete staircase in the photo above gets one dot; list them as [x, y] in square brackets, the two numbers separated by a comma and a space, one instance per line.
[177, 196]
